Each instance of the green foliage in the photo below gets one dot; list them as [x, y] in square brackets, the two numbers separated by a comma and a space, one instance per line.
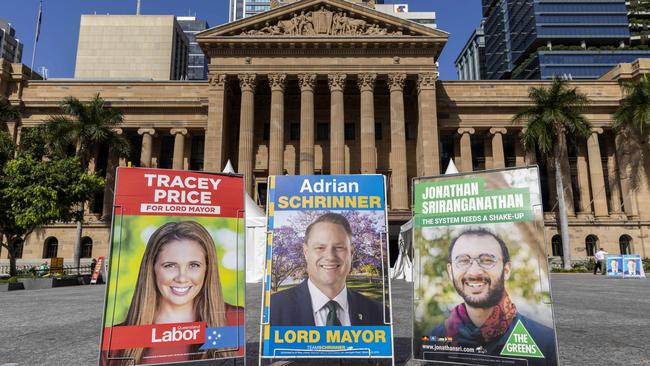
[646, 265]
[634, 110]
[9, 280]
[7, 111]
[84, 126]
[554, 110]
[35, 192]
[33, 143]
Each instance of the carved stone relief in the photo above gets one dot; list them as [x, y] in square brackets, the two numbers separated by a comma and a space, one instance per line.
[321, 22]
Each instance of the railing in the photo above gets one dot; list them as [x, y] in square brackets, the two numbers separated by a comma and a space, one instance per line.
[69, 270]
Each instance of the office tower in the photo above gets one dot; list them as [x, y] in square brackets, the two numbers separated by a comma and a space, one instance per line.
[131, 47]
[11, 49]
[540, 39]
[197, 66]
[427, 18]
[470, 63]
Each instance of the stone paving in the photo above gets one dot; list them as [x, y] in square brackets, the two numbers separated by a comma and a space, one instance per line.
[600, 321]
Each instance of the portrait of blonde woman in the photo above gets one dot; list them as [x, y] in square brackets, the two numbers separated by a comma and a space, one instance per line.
[178, 282]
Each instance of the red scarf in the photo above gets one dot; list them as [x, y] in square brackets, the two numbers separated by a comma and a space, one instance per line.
[494, 327]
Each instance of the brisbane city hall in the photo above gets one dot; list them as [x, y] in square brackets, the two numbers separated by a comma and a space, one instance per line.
[333, 87]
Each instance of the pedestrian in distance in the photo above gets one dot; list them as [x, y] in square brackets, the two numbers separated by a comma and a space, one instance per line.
[599, 258]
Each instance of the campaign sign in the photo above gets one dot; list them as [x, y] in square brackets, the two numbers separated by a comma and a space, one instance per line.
[97, 270]
[175, 289]
[614, 265]
[326, 290]
[632, 266]
[481, 278]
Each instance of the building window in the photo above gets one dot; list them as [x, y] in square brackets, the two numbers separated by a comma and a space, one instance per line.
[294, 131]
[51, 247]
[266, 133]
[378, 131]
[261, 193]
[625, 244]
[322, 131]
[18, 248]
[166, 152]
[86, 247]
[591, 244]
[556, 246]
[349, 131]
[196, 155]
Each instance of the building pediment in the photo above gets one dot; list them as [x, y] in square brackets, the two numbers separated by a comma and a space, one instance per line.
[322, 18]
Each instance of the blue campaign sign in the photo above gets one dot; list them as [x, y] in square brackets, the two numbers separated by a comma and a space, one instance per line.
[365, 342]
[614, 265]
[326, 286]
[329, 192]
[632, 266]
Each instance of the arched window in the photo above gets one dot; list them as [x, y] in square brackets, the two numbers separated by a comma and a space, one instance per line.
[51, 247]
[86, 247]
[18, 248]
[556, 246]
[591, 244]
[625, 243]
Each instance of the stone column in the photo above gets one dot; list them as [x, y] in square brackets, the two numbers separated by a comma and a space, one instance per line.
[147, 145]
[214, 135]
[179, 147]
[246, 124]
[583, 179]
[109, 187]
[428, 124]
[614, 184]
[277, 82]
[596, 175]
[498, 157]
[337, 123]
[307, 84]
[625, 158]
[466, 149]
[520, 153]
[399, 177]
[368, 153]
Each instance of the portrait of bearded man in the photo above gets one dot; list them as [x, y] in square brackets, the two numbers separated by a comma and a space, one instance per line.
[479, 266]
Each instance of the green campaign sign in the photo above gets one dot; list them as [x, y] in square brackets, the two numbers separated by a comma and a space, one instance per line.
[466, 201]
[520, 343]
[480, 271]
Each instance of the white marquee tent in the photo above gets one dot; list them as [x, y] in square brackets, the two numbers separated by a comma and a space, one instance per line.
[255, 236]
[403, 269]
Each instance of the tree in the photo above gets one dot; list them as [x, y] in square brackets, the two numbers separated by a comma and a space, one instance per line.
[7, 111]
[37, 192]
[634, 110]
[84, 126]
[554, 118]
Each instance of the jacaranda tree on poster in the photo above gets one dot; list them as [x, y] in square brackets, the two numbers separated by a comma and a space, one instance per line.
[481, 281]
[326, 288]
[175, 290]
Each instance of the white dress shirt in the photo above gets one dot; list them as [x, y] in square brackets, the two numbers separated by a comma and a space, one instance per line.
[320, 311]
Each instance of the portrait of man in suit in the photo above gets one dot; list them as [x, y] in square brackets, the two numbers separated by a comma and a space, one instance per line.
[323, 299]
[632, 268]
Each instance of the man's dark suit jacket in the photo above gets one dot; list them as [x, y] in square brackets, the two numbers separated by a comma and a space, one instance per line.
[293, 307]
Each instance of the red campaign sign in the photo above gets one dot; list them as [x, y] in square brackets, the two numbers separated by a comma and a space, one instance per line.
[155, 335]
[163, 192]
[97, 269]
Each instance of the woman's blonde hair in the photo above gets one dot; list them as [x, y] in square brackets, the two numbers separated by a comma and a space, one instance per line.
[209, 306]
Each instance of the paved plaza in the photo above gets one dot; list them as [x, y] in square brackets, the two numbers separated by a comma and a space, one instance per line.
[600, 321]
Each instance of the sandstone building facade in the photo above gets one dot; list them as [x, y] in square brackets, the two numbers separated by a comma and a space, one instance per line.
[332, 87]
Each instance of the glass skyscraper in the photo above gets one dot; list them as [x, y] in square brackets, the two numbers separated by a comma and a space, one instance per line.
[539, 39]
[197, 66]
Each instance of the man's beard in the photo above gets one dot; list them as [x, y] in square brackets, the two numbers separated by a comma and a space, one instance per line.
[494, 295]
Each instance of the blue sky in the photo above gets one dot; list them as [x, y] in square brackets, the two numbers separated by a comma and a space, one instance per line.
[57, 46]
